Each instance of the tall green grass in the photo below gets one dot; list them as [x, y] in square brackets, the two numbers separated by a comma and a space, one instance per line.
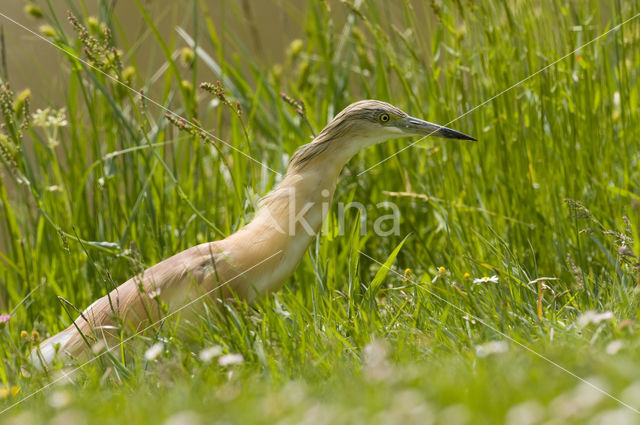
[550, 190]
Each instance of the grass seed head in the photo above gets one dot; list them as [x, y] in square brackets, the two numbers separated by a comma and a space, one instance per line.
[33, 10]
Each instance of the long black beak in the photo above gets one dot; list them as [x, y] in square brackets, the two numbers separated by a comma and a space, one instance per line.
[425, 128]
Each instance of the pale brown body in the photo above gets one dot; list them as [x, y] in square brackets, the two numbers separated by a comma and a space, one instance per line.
[251, 262]
[259, 257]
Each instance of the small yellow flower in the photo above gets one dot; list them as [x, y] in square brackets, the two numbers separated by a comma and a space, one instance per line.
[128, 74]
[295, 48]
[94, 24]
[6, 392]
[20, 101]
[276, 71]
[24, 334]
[466, 275]
[187, 56]
[48, 31]
[440, 271]
[407, 274]
[33, 10]
[186, 85]
[35, 335]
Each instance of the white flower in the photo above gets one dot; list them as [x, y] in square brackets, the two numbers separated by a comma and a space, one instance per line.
[527, 413]
[208, 354]
[57, 120]
[49, 118]
[614, 346]
[616, 99]
[485, 279]
[376, 364]
[230, 359]
[594, 317]
[154, 351]
[39, 118]
[491, 347]
[59, 399]
[186, 417]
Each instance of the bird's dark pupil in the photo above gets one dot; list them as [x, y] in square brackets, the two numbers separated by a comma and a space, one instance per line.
[385, 117]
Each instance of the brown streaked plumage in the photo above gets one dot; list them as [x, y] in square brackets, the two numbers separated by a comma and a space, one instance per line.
[259, 257]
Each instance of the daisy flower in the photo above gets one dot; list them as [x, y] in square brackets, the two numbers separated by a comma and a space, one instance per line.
[441, 272]
[485, 279]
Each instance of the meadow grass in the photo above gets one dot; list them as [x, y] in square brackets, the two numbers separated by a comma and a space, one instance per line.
[547, 200]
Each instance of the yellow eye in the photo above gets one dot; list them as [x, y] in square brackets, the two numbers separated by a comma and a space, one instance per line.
[384, 118]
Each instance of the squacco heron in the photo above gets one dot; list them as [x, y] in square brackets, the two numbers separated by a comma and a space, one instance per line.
[259, 257]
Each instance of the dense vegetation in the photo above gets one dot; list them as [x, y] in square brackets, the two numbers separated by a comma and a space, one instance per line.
[103, 184]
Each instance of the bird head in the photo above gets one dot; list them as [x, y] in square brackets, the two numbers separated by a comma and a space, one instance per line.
[367, 123]
[379, 121]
